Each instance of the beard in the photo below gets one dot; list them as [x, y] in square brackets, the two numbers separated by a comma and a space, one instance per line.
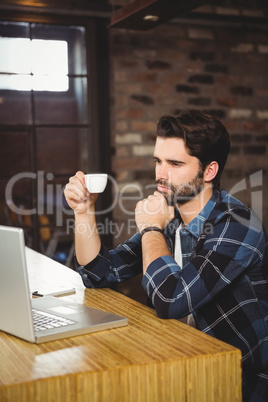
[184, 192]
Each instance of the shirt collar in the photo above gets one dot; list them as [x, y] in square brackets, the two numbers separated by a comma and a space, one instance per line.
[195, 226]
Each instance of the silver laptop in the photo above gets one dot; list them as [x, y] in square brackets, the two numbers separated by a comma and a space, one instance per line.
[45, 318]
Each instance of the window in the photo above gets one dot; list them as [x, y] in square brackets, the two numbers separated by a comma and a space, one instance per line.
[38, 64]
[54, 118]
[44, 122]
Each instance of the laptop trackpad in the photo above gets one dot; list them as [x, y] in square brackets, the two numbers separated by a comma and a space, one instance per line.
[63, 310]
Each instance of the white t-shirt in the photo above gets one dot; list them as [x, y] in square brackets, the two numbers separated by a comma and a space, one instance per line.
[189, 319]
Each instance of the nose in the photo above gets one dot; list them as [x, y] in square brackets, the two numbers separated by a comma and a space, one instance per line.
[163, 172]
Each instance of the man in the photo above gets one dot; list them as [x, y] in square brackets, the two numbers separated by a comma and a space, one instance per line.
[202, 252]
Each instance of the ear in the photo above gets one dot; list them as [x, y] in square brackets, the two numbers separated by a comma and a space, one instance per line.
[211, 171]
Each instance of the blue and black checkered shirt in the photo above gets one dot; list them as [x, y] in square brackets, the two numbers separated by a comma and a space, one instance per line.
[223, 284]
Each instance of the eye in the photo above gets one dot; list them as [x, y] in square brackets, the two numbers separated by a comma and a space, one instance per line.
[176, 163]
[157, 161]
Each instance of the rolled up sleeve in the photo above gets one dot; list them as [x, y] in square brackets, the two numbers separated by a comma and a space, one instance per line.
[113, 266]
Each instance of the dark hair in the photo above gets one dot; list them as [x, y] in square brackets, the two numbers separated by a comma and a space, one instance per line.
[205, 137]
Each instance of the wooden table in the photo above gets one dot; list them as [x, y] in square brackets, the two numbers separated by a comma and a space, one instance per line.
[150, 360]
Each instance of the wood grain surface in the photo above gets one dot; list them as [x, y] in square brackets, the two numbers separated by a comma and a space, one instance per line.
[149, 360]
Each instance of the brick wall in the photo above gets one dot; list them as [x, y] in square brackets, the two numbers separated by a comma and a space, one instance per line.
[219, 68]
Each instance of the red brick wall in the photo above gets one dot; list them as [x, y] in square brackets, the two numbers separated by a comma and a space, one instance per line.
[218, 68]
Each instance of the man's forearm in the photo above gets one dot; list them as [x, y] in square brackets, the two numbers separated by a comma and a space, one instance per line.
[87, 239]
[153, 246]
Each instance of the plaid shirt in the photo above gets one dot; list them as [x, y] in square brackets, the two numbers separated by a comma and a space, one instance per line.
[224, 284]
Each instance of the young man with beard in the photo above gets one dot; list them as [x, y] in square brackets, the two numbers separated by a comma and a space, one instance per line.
[202, 252]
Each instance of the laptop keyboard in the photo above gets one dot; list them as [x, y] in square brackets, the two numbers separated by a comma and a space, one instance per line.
[43, 321]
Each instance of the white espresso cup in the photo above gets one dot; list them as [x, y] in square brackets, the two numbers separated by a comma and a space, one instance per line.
[96, 182]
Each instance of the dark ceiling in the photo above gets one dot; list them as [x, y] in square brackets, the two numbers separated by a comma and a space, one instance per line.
[146, 14]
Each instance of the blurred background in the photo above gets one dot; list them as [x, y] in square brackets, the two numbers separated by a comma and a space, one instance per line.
[82, 85]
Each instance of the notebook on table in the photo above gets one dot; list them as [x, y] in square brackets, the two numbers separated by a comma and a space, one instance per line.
[55, 318]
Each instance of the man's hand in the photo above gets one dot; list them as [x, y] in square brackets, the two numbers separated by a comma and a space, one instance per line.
[77, 195]
[87, 240]
[153, 211]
